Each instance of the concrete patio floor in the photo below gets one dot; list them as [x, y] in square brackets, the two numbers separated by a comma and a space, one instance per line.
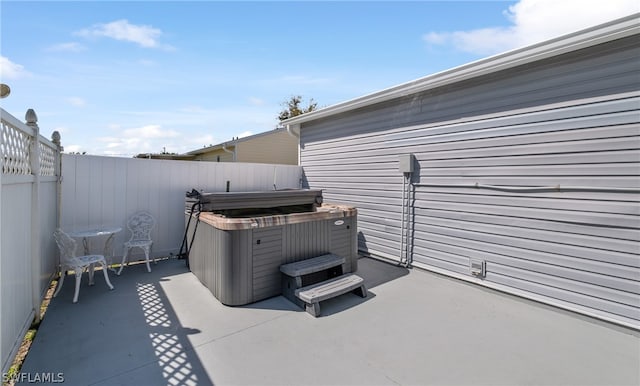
[415, 328]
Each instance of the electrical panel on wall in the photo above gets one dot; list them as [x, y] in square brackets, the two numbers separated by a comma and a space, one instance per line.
[406, 162]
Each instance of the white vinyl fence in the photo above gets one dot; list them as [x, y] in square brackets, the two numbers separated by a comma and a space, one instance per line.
[29, 215]
[105, 191]
[42, 190]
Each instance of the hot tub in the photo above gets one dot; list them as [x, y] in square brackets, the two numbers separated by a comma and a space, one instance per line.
[243, 238]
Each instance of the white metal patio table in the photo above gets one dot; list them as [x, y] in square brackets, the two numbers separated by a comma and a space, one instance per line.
[88, 234]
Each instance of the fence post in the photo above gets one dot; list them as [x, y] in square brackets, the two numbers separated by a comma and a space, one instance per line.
[55, 138]
[34, 154]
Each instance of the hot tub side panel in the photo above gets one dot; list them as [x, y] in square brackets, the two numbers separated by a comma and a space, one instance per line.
[344, 242]
[310, 239]
[266, 250]
[221, 260]
[243, 266]
[274, 246]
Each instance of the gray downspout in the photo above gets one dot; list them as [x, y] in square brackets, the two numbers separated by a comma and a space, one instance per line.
[291, 132]
[233, 152]
[295, 135]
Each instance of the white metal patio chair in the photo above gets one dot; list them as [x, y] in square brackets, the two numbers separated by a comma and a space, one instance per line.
[140, 225]
[79, 264]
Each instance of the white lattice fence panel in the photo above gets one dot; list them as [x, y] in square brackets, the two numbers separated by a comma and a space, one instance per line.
[47, 160]
[29, 215]
[14, 149]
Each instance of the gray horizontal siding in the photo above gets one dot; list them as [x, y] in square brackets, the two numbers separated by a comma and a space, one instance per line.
[603, 70]
[492, 131]
[570, 121]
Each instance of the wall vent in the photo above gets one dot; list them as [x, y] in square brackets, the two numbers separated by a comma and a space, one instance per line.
[478, 268]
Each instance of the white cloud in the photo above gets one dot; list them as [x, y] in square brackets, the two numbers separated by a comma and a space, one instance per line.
[182, 129]
[72, 148]
[149, 131]
[11, 70]
[118, 146]
[200, 141]
[143, 35]
[67, 47]
[127, 146]
[244, 134]
[534, 21]
[143, 139]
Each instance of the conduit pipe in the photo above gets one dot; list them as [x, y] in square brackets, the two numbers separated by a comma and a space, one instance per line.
[402, 223]
[405, 229]
[534, 189]
[406, 167]
[408, 227]
[406, 203]
[408, 186]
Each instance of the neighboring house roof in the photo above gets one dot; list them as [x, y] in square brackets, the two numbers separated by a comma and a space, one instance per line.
[229, 145]
[610, 31]
[234, 142]
[179, 157]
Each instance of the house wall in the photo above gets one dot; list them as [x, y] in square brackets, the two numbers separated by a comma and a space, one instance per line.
[570, 120]
[277, 147]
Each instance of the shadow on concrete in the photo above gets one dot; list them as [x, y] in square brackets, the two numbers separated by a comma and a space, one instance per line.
[377, 272]
[279, 303]
[130, 335]
[374, 272]
[166, 328]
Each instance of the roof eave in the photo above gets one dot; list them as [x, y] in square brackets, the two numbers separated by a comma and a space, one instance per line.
[210, 148]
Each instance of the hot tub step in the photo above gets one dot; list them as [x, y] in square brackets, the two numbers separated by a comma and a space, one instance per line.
[315, 264]
[312, 295]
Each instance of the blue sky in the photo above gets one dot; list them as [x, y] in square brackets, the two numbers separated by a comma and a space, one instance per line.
[122, 78]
